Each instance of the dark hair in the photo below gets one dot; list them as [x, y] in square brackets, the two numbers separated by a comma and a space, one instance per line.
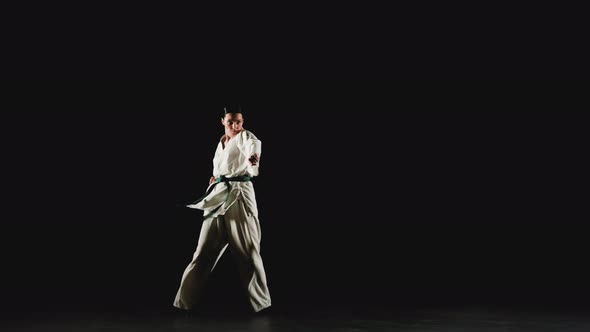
[232, 109]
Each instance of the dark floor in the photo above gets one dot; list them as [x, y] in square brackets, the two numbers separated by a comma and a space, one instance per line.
[447, 319]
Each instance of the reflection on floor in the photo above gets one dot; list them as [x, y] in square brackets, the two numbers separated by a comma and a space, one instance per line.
[457, 319]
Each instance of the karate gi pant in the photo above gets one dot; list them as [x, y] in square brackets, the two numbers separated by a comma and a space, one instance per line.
[240, 231]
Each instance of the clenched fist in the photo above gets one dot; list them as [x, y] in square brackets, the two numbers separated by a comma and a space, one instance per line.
[254, 159]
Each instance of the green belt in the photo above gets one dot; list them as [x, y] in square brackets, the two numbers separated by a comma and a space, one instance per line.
[241, 178]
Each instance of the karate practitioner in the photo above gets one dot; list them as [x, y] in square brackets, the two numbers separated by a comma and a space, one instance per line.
[231, 218]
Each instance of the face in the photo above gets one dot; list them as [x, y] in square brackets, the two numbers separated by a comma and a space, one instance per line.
[233, 124]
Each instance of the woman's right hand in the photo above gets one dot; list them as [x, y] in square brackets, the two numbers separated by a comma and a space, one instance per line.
[211, 180]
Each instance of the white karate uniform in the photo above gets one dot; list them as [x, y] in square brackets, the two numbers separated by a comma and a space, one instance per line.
[235, 225]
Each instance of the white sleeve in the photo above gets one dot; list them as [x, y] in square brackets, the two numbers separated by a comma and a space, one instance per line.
[253, 145]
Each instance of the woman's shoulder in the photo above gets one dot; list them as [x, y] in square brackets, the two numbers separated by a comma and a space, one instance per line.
[248, 135]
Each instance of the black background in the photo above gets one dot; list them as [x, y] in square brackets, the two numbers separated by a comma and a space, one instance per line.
[371, 195]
